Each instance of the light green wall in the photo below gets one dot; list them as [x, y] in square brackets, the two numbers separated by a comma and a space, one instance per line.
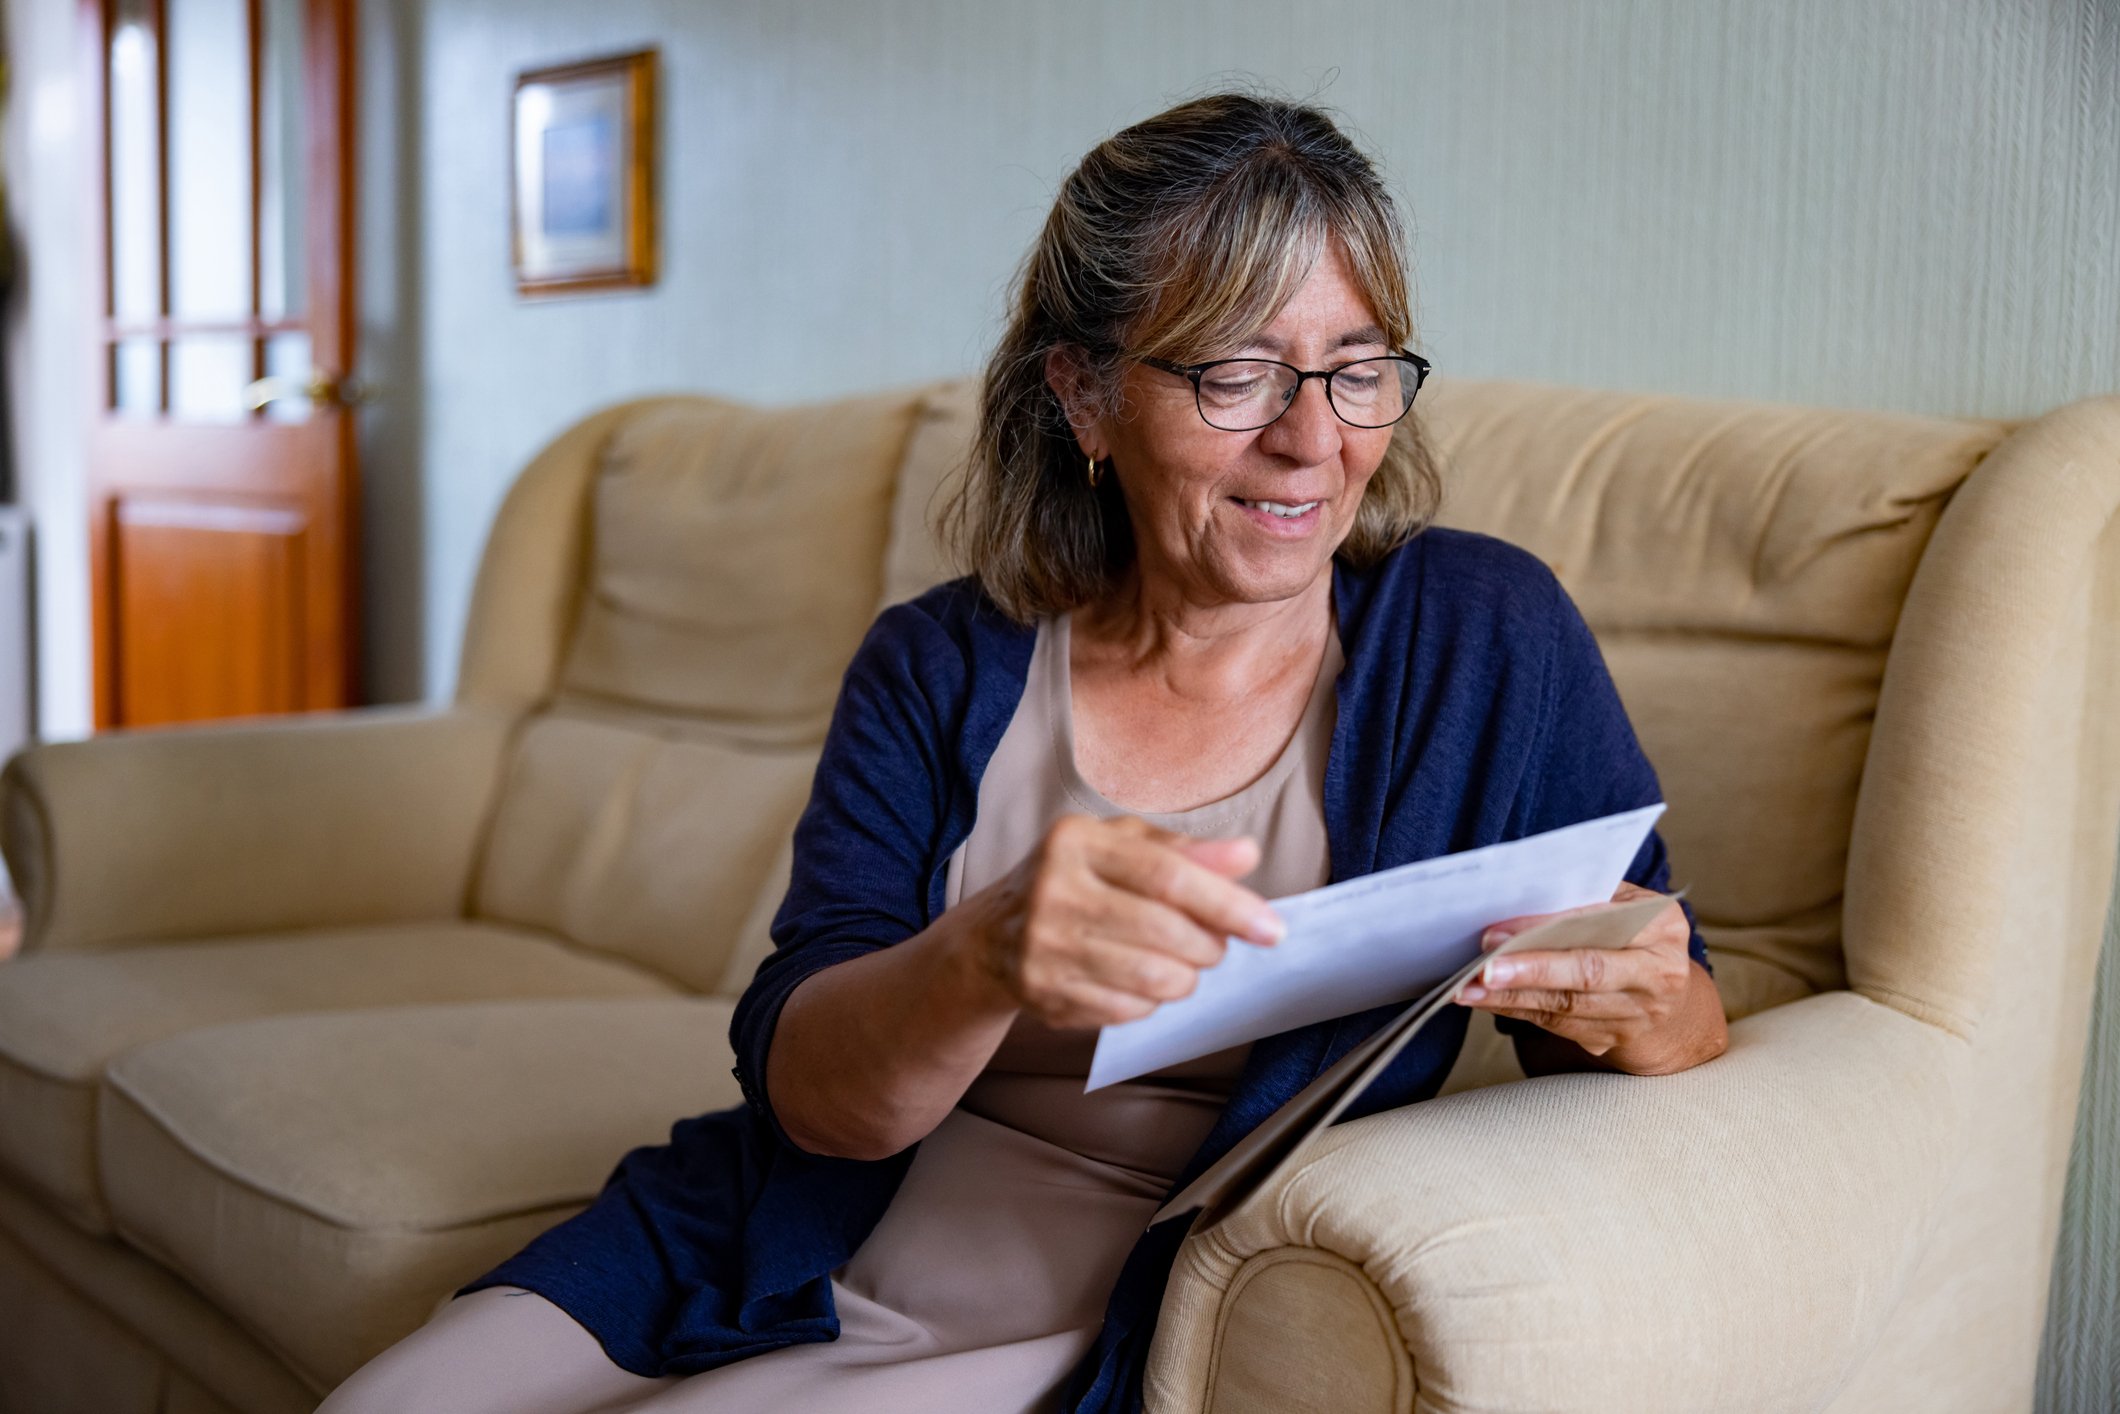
[1910, 205]
[2080, 1367]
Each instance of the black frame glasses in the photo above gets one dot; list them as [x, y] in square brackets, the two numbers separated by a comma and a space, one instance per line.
[1194, 372]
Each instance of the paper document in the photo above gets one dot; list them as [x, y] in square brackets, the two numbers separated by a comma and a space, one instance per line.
[1221, 1190]
[1384, 937]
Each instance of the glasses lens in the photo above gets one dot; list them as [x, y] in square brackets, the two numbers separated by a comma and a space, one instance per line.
[1244, 394]
[1375, 392]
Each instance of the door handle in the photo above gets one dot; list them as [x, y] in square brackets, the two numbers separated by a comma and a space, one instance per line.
[320, 388]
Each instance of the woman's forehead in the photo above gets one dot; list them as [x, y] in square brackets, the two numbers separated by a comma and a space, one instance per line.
[1300, 286]
[1328, 311]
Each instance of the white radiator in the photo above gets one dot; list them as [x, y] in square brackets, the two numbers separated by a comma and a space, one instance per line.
[17, 675]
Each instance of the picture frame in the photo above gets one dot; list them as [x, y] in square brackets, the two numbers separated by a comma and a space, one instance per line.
[582, 175]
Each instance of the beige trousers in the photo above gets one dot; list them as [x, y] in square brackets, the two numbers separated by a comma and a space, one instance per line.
[502, 1350]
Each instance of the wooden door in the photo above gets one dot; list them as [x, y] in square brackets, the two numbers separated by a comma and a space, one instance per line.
[223, 488]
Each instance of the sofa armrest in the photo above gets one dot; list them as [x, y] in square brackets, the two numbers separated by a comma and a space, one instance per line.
[1730, 1238]
[327, 819]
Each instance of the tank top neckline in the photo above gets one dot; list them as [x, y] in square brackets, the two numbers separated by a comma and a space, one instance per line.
[1209, 816]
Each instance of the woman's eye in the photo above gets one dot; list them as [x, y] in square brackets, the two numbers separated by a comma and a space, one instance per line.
[1229, 387]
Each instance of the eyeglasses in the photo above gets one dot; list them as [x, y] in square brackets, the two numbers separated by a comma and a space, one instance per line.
[1245, 394]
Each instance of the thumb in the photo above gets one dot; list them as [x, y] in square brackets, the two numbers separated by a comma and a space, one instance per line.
[1232, 858]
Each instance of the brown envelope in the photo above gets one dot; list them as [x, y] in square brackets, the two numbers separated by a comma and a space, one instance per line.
[1222, 1189]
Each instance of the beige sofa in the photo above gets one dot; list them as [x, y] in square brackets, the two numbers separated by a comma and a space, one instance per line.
[318, 1018]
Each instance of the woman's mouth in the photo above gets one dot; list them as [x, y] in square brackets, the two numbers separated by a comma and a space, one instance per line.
[1282, 517]
[1286, 510]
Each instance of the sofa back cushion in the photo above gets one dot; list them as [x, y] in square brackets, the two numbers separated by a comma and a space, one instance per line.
[1743, 566]
[735, 560]
[936, 458]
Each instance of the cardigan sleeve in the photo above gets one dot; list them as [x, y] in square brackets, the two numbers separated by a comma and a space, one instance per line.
[1592, 764]
[864, 844]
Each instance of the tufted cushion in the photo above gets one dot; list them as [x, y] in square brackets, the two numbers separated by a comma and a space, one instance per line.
[736, 555]
[935, 460]
[1794, 533]
[638, 841]
[735, 559]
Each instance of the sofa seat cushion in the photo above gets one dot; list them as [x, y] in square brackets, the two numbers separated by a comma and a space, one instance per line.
[327, 1179]
[65, 1016]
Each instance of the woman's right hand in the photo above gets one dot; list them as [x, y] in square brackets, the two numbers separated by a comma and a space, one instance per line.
[1105, 920]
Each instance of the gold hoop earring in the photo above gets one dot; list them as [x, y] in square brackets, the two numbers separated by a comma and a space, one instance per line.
[1096, 473]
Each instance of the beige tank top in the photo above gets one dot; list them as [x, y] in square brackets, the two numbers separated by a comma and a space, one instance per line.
[1031, 782]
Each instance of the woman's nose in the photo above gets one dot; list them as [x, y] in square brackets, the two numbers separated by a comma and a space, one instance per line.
[1309, 432]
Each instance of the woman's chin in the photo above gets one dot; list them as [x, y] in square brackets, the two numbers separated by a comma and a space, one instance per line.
[1271, 578]
[1278, 557]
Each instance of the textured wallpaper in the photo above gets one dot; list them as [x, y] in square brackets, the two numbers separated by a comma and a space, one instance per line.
[1906, 204]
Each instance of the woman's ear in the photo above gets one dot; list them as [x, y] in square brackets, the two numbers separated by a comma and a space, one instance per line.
[1069, 380]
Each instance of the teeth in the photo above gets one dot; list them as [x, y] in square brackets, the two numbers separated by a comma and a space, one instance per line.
[1280, 508]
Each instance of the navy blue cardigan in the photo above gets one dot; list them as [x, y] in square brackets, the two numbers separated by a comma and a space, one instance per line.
[1474, 707]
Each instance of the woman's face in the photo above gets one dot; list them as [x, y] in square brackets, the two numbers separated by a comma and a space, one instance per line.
[1193, 493]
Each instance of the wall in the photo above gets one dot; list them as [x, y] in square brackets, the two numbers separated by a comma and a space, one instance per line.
[47, 359]
[1901, 205]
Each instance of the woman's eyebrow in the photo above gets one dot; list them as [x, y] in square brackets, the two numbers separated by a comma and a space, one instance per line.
[1353, 338]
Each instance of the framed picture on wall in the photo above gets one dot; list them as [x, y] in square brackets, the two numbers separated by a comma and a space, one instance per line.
[584, 175]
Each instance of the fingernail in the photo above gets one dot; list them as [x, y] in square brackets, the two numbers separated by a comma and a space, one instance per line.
[1497, 973]
[1267, 927]
[1492, 937]
[1472, 992]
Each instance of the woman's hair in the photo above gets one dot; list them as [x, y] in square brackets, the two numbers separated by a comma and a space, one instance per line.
[1180, 237]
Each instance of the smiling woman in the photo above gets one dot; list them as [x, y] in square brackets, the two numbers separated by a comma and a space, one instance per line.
[1209, 636]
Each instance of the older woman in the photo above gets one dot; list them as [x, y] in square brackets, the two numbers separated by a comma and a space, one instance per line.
[1210, 653]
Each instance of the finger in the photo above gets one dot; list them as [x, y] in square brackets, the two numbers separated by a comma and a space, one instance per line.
[1145, 972]
[1132, 920]
[1158, 871]
[1232, 858]
[1083, 1004]
[1596, 1037]
[1567, 969]
[1579, 1006]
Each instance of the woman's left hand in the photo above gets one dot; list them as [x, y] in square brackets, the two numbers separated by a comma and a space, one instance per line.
[1644, 1008]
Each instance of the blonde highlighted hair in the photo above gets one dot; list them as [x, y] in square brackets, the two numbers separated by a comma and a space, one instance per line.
[1177, 238]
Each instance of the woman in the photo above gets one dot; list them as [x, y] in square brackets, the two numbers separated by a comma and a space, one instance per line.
[1211, 654]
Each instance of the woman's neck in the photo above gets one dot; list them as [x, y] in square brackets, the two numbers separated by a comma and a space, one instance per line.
[1202, 651]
